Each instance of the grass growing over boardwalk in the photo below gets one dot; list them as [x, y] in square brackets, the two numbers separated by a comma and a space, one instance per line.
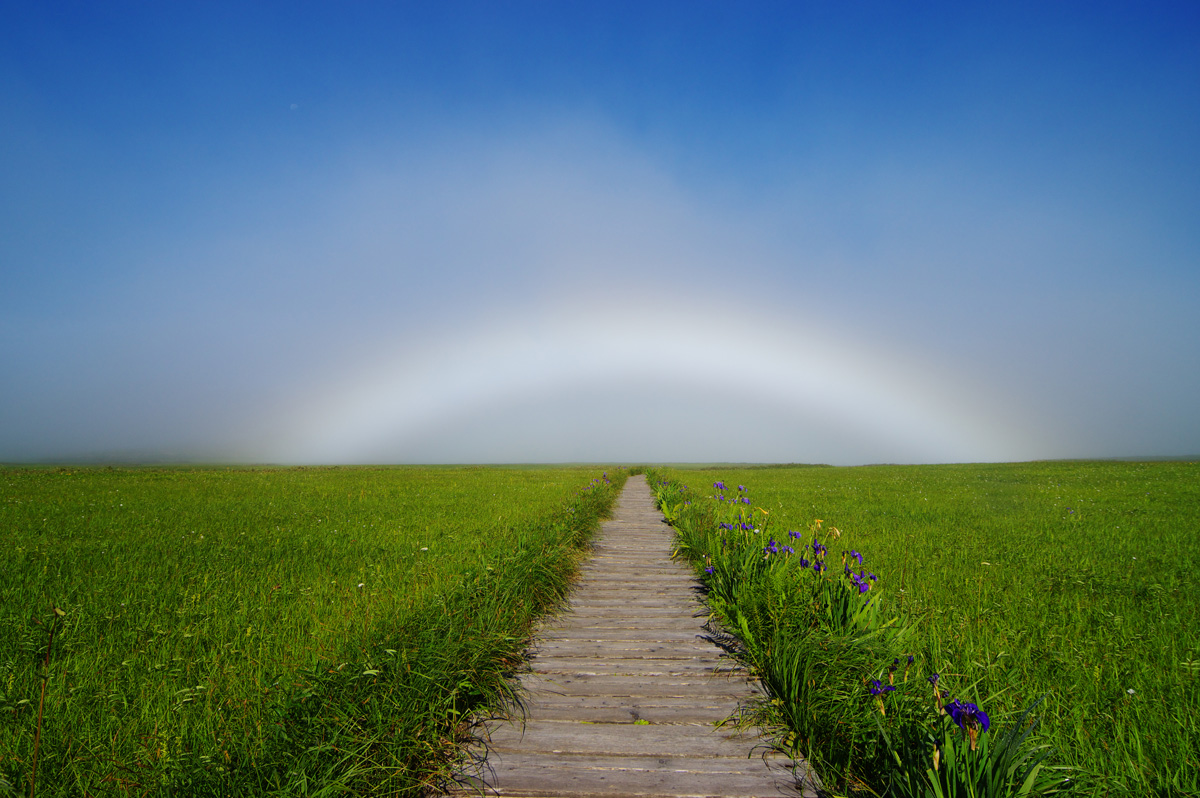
[276, 631]
[1071, 580]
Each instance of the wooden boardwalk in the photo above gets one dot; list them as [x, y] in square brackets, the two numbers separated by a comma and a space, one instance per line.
[625, 695]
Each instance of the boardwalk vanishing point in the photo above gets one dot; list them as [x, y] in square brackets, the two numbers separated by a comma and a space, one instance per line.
[626, 695]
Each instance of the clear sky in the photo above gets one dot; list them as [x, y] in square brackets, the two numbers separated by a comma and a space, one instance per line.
[599, 231]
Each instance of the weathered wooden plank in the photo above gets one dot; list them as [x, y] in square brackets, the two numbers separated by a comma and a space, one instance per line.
[661, 777]
[617, 636]
[612, 623]
[629, 651]
[610, 739]
[601, 572]
[649, 648]
[627, 605]
[652, 585]
[640, 669]
[659, 619]
[698, 686]
[673, 764]
[546, 699]
[664, 618]
[645, 710]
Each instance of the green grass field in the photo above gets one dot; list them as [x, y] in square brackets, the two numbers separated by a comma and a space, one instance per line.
[336, 631]
[271, 631]
[1073, 581]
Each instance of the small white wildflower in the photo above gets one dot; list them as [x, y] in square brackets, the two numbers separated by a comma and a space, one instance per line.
[1130, 691]
[424, 548]
[361, 584]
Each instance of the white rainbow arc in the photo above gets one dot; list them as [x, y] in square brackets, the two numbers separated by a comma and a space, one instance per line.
[926, 416]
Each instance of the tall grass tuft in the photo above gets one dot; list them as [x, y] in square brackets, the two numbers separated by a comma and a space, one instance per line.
[37, 735]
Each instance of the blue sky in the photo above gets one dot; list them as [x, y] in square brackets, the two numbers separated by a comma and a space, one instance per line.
[566, 231]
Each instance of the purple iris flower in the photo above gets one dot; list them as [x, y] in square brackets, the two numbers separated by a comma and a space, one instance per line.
[877, 688]
[967, 716]
[708, 570]
[794, 534]
[719, 485]
[856, 556]
[741, 488]
[788, 550]
[771, 548]
[745, 500]
[803, 563]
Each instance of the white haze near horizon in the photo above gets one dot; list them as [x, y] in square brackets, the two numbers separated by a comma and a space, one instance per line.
[555, 293]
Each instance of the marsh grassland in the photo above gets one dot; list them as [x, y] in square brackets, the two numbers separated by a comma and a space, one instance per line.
[1070, 582]
[273, 631]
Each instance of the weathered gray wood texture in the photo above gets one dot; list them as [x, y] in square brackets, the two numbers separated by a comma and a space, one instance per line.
[625, 696]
